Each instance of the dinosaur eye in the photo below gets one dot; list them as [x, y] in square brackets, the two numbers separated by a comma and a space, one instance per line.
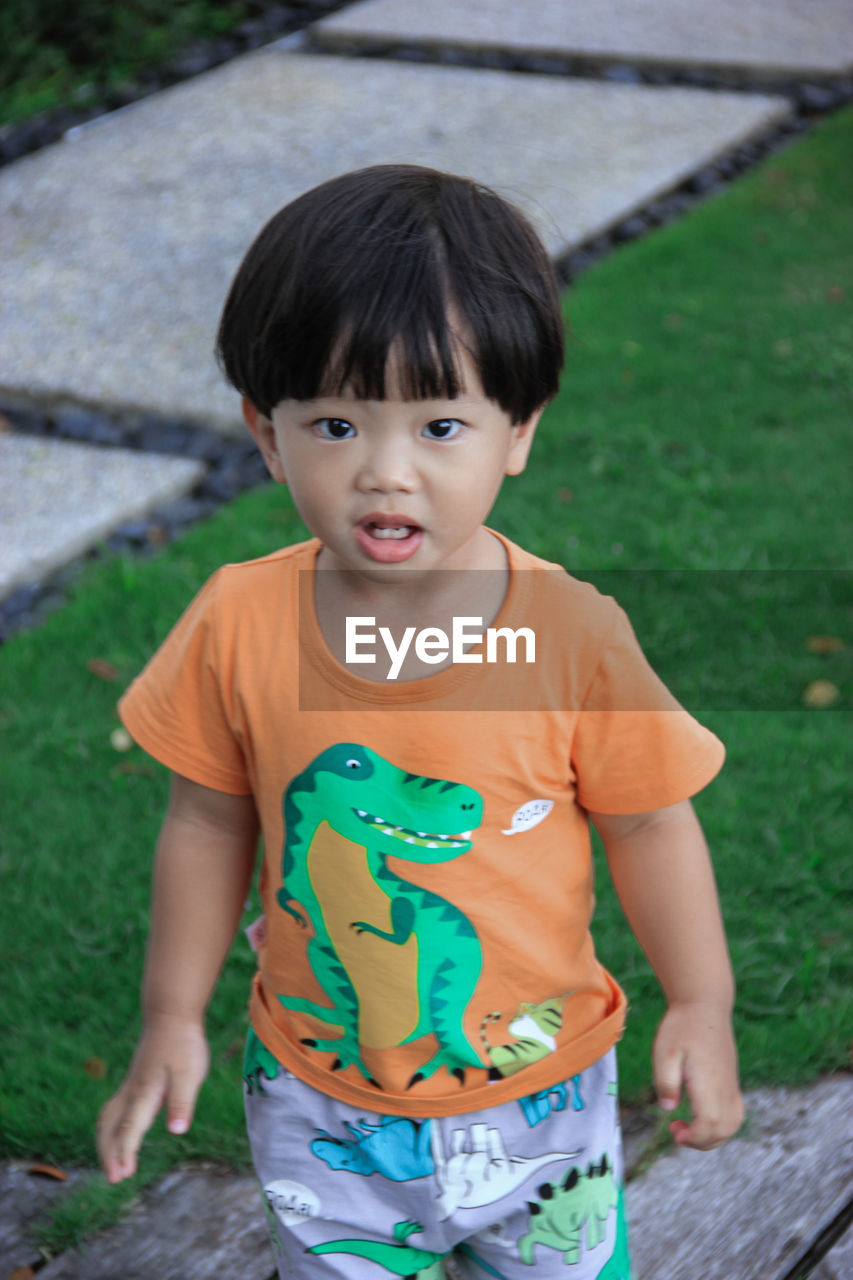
[352, 763]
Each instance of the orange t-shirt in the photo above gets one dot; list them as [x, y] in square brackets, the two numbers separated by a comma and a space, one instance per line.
[427, 877]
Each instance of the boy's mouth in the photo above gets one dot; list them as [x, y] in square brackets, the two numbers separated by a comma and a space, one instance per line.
[388, 538]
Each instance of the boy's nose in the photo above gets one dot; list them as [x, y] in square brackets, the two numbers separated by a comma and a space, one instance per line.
[387, 468]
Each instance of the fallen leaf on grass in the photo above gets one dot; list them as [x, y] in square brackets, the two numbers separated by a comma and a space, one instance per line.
[102, 669]
[820, 694]
[95, 1067]
[835, 293]
[126, 768]
[564, 495]
[824, 644]
[48, 1171]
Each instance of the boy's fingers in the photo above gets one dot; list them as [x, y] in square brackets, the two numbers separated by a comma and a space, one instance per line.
[180, 1102]
[716, 1118]
[668, 1072]
[123, 1123]
[700, 1134]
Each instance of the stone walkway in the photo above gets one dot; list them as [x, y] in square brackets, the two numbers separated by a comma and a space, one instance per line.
[59, 497]
[117, 246]
[118, 242]
[112, 285]
[762, 39]
[744, 1212]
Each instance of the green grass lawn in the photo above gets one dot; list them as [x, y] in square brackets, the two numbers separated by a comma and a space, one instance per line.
[696, 464]
[54, 54]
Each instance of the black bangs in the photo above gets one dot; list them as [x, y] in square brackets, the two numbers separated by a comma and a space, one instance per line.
[377, 280]
[388, 333]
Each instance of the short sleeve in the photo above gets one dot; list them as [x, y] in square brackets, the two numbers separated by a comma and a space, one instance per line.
[180, 709]
[635, 747]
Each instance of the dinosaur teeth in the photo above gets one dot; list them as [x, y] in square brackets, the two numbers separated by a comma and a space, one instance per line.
[408, 836]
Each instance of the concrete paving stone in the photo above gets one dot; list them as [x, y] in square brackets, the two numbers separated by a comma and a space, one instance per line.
[58, 498]
[118, 244]
[746, 1209]
[25, 1198]
[191, 1226]
[777, 38]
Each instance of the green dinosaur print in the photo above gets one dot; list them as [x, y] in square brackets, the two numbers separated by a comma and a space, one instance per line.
[618, 1265]
[349, 798]
[257, 1062]
[565, 1207]
[400, 1259]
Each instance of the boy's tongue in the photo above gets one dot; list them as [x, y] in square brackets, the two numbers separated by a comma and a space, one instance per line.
[388, 540]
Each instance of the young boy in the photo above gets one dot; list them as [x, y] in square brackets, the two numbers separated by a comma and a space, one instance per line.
[430, 1066]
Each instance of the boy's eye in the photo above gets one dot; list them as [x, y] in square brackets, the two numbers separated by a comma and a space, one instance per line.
[333, 428]
[443, 428]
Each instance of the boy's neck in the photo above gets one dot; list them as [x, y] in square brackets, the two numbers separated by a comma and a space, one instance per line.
[415, 600]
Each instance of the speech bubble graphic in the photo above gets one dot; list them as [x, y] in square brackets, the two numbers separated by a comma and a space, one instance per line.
[292, 1201]
[529, 815]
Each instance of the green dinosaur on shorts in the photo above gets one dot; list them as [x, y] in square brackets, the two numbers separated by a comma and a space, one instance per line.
[401, 1259]
[564, 1208]
[618, 1265]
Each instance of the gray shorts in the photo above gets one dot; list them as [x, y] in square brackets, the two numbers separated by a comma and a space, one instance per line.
[531, 1184]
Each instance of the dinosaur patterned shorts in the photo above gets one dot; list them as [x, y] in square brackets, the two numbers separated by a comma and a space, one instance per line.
[534, 1184]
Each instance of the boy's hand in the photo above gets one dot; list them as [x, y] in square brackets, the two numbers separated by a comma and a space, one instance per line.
[169, 1065]
[695, 1048]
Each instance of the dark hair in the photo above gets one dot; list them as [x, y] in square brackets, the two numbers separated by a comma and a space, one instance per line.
[378, 258]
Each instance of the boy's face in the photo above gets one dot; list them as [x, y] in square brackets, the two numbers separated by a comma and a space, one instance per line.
[394, 482]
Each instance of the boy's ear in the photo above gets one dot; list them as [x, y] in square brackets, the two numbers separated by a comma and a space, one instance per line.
[522, 439]
[263, 434]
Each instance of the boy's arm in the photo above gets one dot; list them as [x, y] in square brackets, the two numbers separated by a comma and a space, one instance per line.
[662, 872]
[205, 858]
